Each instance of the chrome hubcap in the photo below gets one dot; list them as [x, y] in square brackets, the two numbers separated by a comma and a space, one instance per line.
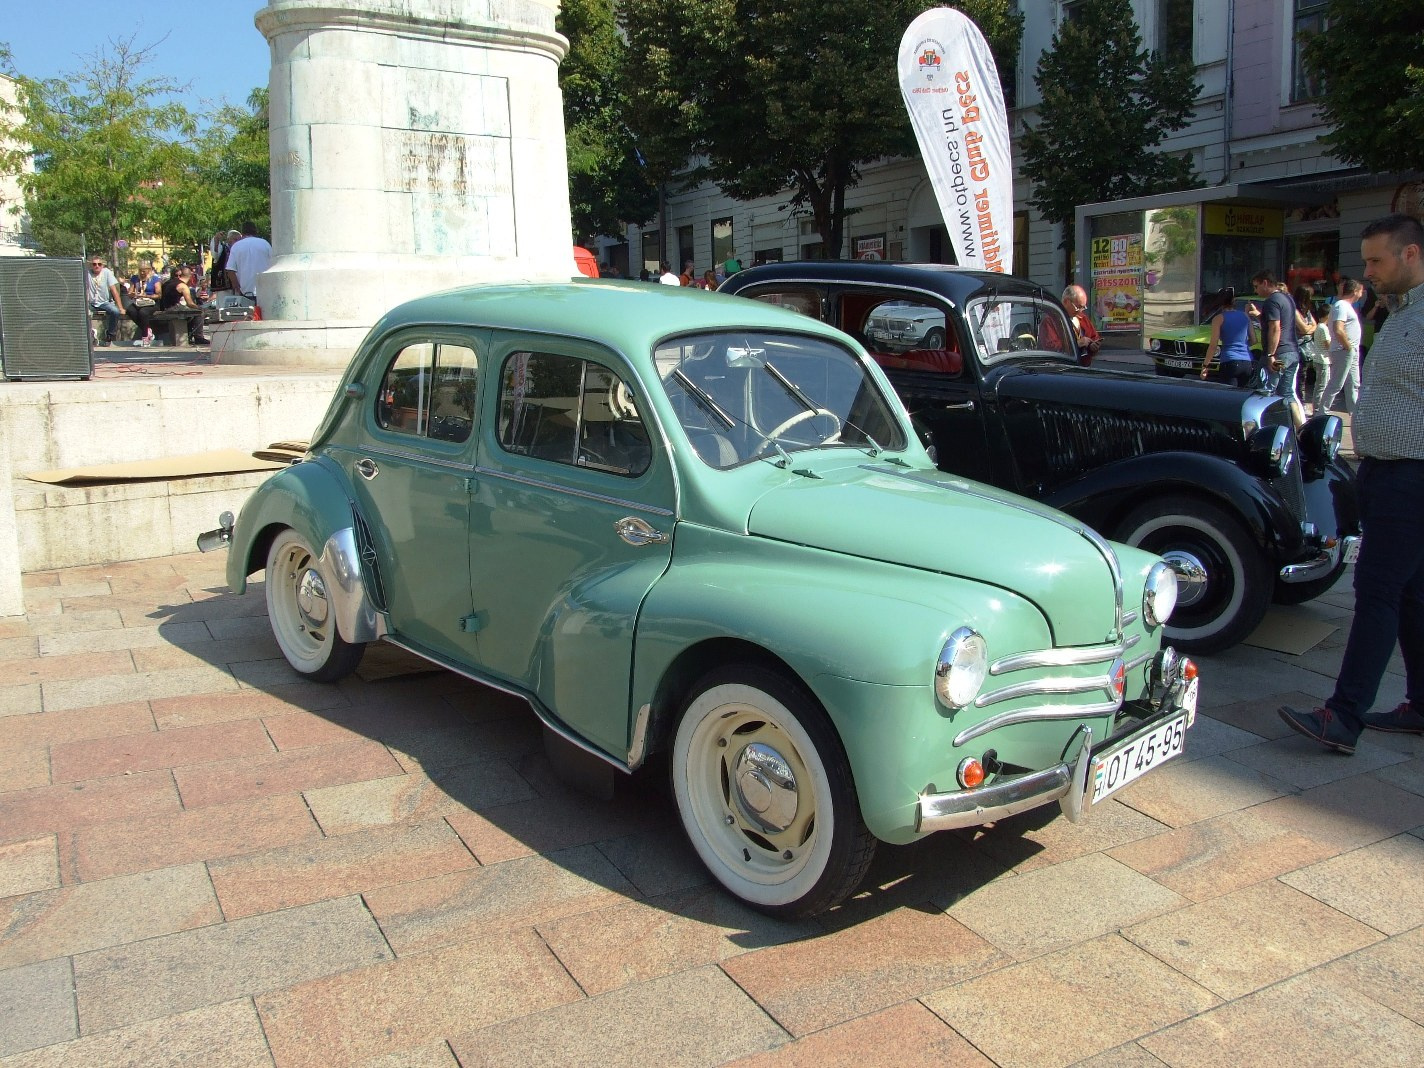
[1191, 574]
[311, 599]
[765, 787]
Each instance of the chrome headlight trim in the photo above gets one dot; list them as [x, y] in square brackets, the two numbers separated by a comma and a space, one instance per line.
[962, 667]
[1159, 594]
[1274, 448]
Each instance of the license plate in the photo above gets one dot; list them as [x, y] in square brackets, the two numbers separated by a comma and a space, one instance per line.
[1135, 757]
[1185, 365]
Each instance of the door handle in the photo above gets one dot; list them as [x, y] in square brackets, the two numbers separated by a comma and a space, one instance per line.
[962, 406]
[367, 468]
[636, 532]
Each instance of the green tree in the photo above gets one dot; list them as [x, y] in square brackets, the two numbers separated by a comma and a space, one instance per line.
[1370, 62]
[607, 184]
[99, 138]
[1107, 106]
[778, 96]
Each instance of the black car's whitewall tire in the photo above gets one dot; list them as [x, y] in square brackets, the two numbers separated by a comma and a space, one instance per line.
[301, 613]
[766, 795]
[1224, 585]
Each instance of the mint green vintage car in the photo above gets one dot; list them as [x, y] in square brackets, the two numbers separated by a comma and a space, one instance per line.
[683, 523]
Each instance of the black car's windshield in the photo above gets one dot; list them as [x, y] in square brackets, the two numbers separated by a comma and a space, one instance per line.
[740, 395]
[1007, 326]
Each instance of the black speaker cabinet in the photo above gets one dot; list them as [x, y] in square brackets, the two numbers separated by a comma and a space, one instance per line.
[44, 318]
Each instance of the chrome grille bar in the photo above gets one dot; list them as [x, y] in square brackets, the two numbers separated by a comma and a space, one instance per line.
[1037, 714]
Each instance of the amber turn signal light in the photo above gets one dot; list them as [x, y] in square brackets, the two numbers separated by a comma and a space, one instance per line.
[971, 773]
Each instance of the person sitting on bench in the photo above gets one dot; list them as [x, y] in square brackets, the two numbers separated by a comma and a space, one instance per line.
[175, 295]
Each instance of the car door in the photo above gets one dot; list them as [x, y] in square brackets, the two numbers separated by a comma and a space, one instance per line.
[411, 478]
[571, 524]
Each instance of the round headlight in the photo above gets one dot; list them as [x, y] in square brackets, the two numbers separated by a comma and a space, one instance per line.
[1159, 596]
[962, 668]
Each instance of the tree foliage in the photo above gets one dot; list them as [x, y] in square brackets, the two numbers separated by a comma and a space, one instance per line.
[607, 184]
[782, 95]
[1371, 63]
[1107, 104]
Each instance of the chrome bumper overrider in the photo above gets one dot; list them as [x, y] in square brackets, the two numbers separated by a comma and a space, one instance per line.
[1066, 783]
[1322, 563]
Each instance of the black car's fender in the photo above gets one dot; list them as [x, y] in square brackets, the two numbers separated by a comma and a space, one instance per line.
[1104, 496]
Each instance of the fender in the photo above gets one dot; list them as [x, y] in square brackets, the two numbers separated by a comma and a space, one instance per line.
[1103, 497]
[311, 498]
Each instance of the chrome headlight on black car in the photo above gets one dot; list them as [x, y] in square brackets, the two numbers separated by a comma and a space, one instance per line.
[1320, 439]
[1159, 595]
[962, 668]
[1273, 448]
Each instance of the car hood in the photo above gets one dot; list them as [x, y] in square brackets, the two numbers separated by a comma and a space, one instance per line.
[1182, 333]
[1123, 393]
[936, 522]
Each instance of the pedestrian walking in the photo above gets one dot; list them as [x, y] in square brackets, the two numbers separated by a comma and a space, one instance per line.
[1230, 342]
[1343, 389]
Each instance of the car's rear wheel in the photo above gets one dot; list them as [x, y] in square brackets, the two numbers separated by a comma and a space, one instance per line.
[1222, 578]
[301, 613]
[766, 795]
[934, 339]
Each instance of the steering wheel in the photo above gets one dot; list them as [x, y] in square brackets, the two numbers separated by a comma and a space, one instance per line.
[801, 417]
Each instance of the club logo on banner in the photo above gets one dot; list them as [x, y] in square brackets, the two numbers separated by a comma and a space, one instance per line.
[956, 105]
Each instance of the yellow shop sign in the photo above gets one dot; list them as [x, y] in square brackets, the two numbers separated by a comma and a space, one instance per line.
[1234, 220]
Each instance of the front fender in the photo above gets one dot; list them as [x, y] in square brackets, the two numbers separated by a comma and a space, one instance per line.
[1103, 497]
[310, 497]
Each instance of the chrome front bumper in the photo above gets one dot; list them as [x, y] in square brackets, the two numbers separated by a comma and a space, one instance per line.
[1066, 783]
[1323, 562]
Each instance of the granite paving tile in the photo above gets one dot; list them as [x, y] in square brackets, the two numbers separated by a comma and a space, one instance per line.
[808, 985]
[21, 648]
[1130, 1055]
[1381, 885]
[164, 634]
[451, 908]
[101, 721]
[16, 627]
[23, 768]
[1391, 973]
[906, 1035]
[36, 1006]
[72, 919]
[334, 867]
[241, 958]
[38, 580]
[1042, 837]
[1305, 763]
[641, 940]
[29, 865]
[433, 1055]
[221, 1036]
[544, 824]
[73, 622]
[164, 839]
[932, 873]
[1346, 815]
[67, 668]
[278, 773]
[656, 861]
[1069, 1005]
[410, 798]
[137, 686]
[44, 598]
[1223, 854]
[1408, 775]
[200, 709]
[70, 805]
[303, 730]
[96, 758]
[509, 739]
[702, 1019]
[226, 628]
[1238, 943]
[200, 610]
[21, 700]
[1311, 1021]
[1257, 676]
[1092, 895]
[215, 653]
[1257, 715]
[1188, 792]
[1211, 737]
[264, 674]
[413, 1001]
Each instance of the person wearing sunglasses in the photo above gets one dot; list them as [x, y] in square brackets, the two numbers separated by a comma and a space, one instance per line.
[106, 296]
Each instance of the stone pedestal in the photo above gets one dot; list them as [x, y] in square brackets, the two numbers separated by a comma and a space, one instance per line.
[416, 145]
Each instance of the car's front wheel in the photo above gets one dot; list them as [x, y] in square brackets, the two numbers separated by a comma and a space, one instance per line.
[934, 339]
[1223, 581]
[766, 795]
[301, 613]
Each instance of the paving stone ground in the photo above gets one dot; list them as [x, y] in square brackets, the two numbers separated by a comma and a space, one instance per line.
[204, 860]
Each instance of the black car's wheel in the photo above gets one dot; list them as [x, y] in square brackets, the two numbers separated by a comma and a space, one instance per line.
[1222, 579]
[1300, 592]
[766, 795]
[301, 613]
[934, 339]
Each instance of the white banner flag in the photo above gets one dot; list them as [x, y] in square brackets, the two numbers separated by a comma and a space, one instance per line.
[951, 89]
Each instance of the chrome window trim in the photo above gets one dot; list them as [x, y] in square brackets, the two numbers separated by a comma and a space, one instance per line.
[537, 483]
[412, 456]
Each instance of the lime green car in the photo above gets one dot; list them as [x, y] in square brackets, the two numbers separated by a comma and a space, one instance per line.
[683, 523]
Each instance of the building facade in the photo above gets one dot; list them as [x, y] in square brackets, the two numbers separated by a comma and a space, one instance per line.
[1272, 197]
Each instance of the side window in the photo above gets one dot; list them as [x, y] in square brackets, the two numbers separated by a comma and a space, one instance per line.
[429, 391]
[798, 300]
[570, 411]
[909, 335]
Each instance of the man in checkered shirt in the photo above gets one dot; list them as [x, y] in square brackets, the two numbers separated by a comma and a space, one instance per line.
[1389, 439]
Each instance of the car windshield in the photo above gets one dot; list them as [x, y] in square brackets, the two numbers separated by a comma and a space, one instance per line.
[1010, 326]
[741, 395]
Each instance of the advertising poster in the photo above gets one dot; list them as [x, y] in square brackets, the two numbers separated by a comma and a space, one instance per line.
[1117, 283]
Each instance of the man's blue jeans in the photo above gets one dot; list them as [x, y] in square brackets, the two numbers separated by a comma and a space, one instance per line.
[1389, 588]
[111, 318]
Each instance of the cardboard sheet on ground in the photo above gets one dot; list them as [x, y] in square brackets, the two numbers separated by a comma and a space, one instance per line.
[194, 465]
[1289, 629]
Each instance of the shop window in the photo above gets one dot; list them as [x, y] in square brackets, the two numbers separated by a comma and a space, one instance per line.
[1175, 22]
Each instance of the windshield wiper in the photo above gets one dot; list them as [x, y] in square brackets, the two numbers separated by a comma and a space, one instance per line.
[788, 385]
[704, 398]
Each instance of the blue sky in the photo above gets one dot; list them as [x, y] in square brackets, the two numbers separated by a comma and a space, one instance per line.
[213, 45]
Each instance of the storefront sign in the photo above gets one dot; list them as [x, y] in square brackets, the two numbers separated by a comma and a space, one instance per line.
[870, 248]
[1234, 220]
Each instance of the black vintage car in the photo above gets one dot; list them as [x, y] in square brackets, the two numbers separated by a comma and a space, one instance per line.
[1210, 477]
